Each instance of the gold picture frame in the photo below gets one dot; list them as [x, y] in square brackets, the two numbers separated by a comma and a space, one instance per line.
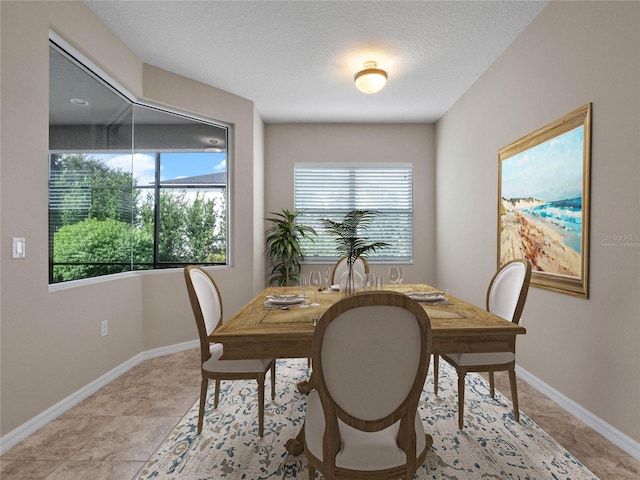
[543, 203]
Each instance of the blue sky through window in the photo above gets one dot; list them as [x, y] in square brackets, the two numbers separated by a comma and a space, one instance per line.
[172, 165]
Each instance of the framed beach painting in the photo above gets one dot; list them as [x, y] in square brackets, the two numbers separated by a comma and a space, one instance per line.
[543, 203]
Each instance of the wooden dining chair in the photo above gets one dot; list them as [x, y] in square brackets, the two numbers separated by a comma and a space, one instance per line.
[506, 296]
[369, 352]
[206, 304]
[341, 267]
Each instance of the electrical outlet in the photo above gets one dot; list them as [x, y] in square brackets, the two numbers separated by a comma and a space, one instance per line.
[104, 328]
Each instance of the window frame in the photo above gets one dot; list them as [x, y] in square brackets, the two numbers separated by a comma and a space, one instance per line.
[105, 80]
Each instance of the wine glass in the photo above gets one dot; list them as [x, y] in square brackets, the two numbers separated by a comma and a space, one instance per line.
[369, 281]
[394, 276]
[304, 282]
[327, 274]
[400, 275]
[315, 280]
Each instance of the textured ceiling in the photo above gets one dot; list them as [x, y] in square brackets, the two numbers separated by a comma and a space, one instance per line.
[296, 59]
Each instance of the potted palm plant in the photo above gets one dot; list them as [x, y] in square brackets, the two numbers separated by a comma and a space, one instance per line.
[283, 250]
[348, 241]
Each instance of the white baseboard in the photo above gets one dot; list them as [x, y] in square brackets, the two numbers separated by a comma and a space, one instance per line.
[614, 435]
[23, 431]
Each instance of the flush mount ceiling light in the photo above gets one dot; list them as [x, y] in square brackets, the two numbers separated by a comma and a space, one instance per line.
[372, 79]
[214, 149]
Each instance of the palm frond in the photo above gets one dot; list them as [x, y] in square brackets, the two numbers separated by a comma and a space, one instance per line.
[283, 250]
[346, 234]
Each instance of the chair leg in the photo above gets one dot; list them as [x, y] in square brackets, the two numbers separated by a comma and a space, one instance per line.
[216, 398]
[436, 370]
[461, 375]
[312, 473]
[514, 394]
[203, 399]
[492, 385]
[261, 406]
[273, 381]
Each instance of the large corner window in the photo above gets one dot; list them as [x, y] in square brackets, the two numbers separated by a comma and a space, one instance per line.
[131, 186]
[330, 191]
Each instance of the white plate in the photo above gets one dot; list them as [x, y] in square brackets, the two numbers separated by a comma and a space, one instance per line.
[284, 296]
[285, 299]
[335, 288]
[427, 296]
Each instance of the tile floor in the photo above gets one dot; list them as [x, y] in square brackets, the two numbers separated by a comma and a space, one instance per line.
[110, 435]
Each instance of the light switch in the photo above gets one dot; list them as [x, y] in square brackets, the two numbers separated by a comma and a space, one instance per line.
[18, 247]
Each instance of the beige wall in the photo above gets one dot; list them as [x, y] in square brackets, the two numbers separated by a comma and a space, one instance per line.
[50, 340]
[167, 315]
[286, 144]
[573, 53]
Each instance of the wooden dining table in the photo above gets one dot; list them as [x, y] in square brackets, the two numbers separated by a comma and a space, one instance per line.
[257, 331]
[264, 331]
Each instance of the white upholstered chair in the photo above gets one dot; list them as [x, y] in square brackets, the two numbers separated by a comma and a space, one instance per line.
[207, 309]
[370, 357]
[360, 266]
[506, 296]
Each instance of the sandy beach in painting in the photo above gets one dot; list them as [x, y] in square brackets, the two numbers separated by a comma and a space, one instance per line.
[528, 236]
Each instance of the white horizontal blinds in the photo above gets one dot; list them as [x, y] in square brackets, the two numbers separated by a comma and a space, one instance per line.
[332, 190]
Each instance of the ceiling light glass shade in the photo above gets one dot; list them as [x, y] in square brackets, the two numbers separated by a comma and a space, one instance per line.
[371, 79]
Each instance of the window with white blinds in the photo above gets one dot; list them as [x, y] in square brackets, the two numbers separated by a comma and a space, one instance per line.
[330, 191]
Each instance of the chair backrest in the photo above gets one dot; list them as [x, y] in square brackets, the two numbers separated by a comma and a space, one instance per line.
[205, 303]
[360, 265]
[371, 354]
[508, 289]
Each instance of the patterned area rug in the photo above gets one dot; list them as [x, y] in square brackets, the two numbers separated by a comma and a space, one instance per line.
[492, 445]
